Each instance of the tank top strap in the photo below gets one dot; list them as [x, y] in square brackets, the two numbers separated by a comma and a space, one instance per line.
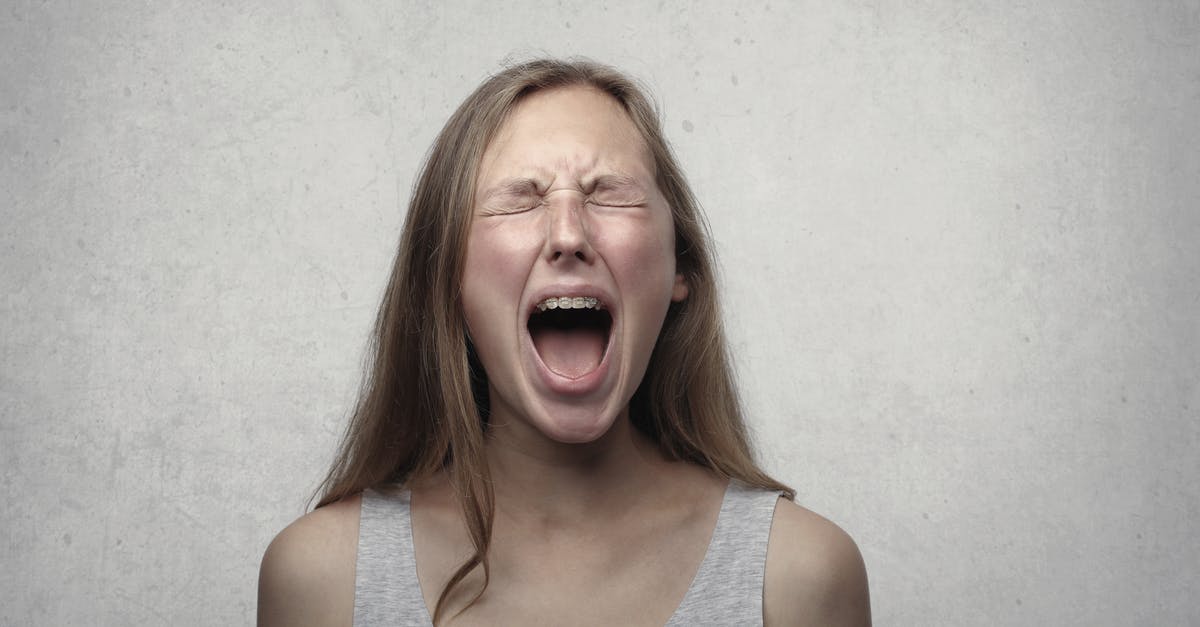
[728, 587]
[386, 589]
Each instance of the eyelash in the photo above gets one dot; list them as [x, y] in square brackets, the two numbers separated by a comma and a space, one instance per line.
[528, 208]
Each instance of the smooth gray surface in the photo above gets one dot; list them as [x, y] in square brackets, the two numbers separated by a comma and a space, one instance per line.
[959, 248]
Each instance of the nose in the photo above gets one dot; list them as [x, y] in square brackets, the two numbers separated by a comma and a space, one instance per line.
[568, 236]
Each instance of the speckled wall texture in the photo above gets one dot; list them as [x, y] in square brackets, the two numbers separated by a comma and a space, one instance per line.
[960, 250]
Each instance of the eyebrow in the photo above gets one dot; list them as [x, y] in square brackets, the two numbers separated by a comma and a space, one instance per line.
[615, 181]
[510, 187]
[524, 186]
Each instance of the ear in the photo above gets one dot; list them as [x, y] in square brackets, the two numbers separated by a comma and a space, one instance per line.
[679, 291]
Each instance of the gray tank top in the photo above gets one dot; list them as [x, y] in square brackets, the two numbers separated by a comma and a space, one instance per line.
[727, 589]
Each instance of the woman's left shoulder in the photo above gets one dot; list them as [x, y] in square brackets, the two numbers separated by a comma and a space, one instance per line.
[815, 573]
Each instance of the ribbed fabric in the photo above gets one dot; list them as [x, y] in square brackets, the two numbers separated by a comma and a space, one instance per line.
[727, 589]
[386, 590]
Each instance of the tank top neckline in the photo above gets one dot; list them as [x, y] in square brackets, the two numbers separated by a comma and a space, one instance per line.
[712, 567]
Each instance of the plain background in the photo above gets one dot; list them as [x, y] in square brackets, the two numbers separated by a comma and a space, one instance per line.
[959, 249]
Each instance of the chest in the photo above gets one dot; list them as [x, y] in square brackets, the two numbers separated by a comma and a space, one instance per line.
[584, 580]
[687, 572]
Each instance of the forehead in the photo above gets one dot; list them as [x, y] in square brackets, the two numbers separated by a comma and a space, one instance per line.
[574, 131]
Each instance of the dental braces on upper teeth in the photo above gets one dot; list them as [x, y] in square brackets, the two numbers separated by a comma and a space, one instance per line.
[570, 302]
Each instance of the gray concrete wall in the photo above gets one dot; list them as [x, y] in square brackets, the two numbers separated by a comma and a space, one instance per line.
[959, 248]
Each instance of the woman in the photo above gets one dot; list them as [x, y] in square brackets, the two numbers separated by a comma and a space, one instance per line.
[550, 433]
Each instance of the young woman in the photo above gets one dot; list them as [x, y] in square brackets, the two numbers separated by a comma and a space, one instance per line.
[550, 433]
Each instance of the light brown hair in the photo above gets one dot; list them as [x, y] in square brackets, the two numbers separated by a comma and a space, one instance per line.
[422, 407]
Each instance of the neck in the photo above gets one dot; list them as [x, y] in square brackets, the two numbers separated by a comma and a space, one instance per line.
[534, 476]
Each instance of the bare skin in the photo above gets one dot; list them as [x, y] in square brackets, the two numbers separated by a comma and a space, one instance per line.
[613, 536]
[592, 525]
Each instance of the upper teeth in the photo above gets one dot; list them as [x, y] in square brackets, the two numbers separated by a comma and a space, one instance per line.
[569, 302]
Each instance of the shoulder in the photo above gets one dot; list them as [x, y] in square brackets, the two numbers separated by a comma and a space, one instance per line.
[815, 573]
[307, 574]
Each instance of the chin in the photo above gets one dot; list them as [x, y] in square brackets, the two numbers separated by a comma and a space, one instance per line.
[576, 425]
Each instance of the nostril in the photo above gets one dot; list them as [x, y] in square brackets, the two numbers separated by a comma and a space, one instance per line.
[579, 255]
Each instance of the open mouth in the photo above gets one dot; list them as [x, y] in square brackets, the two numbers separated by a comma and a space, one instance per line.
[570, 334]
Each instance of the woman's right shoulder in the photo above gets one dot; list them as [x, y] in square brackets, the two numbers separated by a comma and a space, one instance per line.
[307, 573]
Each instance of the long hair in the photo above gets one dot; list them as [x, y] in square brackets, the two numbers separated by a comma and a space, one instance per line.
[422, 405]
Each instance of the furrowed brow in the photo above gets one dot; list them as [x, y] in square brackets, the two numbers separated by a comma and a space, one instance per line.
[614, 182]
[509, 188]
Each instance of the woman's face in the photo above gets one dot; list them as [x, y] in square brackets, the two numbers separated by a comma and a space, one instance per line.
[570, 264]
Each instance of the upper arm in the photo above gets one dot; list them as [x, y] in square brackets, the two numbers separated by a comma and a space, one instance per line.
[815, 573]
[307, 574]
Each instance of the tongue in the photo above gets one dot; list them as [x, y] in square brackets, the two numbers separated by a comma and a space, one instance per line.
[570, 353]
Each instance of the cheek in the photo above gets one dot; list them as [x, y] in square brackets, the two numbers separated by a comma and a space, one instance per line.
[641, 255]
[494, 272]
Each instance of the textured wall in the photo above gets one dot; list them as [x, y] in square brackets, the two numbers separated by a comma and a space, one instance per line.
[959, 248]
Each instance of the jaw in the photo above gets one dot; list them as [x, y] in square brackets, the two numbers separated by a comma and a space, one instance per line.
[571, 403]
[570, 341]
[579, 402]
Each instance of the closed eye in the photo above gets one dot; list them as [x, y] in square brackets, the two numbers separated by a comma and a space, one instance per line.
[617, 191]
[511, 197]
[614, 203]
[508, 210]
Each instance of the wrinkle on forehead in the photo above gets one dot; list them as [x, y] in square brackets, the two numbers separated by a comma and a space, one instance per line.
[591, 182]
[579, 170]
[613, 187]
[603, 157]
